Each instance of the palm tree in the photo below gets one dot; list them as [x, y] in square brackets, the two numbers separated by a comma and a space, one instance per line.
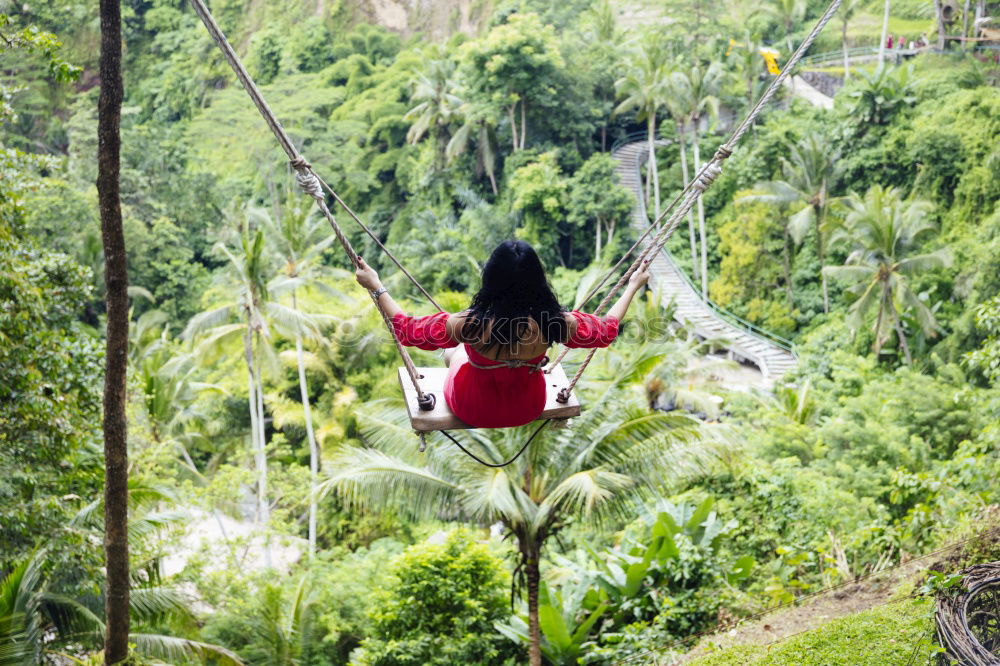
[678, 112]
[478, 127]
[808, 175]
[616, 452]
[299, 240]
[696, 93]
[434, 105]
[35, 618]
[644, 88]
[244, 280]
[883, 232]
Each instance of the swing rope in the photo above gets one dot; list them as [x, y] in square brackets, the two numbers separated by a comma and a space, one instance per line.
[312, 185]
[701, 182]
[315, 186]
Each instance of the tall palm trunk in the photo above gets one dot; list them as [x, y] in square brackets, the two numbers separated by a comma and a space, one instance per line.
[313, 448]
[648, 194]
[885, 32]
[653, 165]
[701, 216]
[684, 175]
[248, 357]
[843, 44]
[265, 508]
[597, 245]
[965, 25]
[786, 262]
[513, 125]
[261, 437]
[939, 17]
[116, 603]
[533, 579]
[819, 212]
[524, 122]
[901, 336]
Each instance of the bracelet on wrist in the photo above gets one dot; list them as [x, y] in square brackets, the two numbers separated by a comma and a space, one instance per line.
[378, 292]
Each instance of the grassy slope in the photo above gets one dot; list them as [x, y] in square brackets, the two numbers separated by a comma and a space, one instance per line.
[898, 632]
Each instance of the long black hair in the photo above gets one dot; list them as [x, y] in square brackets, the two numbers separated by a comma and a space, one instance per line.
[514, 289]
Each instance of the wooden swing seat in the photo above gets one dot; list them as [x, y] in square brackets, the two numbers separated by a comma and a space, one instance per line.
[441, 418]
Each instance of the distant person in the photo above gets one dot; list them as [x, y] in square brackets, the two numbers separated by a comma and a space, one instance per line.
[888, 42]
[902, 43]
[495, 377]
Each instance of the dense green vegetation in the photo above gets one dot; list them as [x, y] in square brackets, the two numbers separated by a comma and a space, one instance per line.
[281, 511]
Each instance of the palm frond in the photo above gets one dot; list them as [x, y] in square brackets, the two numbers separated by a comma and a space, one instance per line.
[367, 477]
[174, 650]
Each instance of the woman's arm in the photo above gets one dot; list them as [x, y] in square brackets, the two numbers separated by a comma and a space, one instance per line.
[436, 331]
[635, 283]
[368, 278]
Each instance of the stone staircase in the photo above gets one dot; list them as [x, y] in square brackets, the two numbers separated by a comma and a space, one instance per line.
[770, 354]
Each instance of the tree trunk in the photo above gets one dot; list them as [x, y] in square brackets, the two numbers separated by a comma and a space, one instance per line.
[684, 176]
[261, 435]
[885, 32]
[531, 572]
[248, 357]
[265, 508]
[883, 305]
[843, 44]
[597, 234]
[965, 26]
[513, 124]
[701, 218]
[313, 448]
[939, 16]
[656, 168]
[116, 600]
[524, 122]
[493, 181]
[821, 251]
[786, 260]
[901, 337]
[649, 166]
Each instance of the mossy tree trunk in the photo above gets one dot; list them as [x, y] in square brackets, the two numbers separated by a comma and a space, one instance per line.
[116, 602]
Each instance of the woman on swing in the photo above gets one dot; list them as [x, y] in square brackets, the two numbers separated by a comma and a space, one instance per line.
[495, 379]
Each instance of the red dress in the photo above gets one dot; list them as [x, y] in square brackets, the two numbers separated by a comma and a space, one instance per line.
[501, 397]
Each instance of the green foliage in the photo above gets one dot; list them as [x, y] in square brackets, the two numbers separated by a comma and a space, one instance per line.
[986, 359]
[31, 40]
[515, 64]
[848, 463]
[540, 193]
[438, 607]
[50, 382]
[883, 233]
[882, 93]
[597, 205]
[567, 617]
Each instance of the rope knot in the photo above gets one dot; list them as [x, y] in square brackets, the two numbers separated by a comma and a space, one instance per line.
[723, 152]
[707, 177]
[300, 163]
[308, 182]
